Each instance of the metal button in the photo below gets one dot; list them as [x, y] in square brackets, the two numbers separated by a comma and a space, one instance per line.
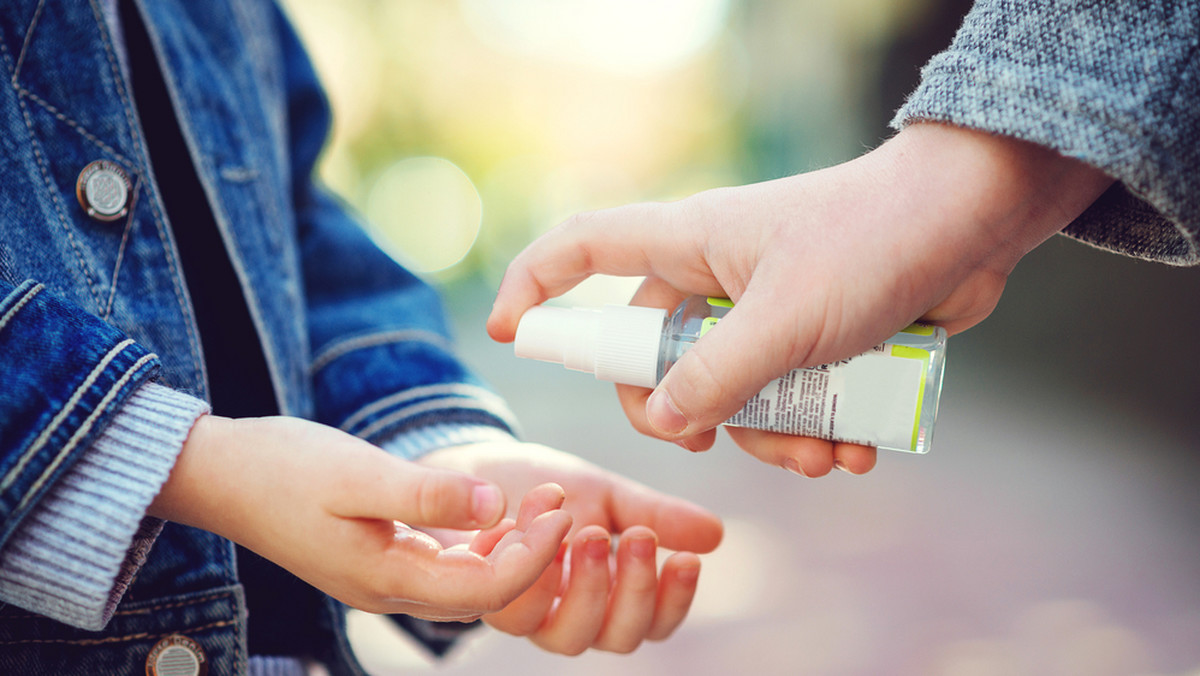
[103, 189]
[176, 655]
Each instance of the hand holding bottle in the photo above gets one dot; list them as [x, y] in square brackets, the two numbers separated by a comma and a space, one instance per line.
[821, 266]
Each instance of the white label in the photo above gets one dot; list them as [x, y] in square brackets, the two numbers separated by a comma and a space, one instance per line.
[872, 399]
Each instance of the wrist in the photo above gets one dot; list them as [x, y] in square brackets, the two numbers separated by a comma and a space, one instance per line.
[192, 492]
[998, 195]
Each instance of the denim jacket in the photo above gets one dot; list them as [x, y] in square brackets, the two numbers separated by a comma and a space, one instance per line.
[99, 345]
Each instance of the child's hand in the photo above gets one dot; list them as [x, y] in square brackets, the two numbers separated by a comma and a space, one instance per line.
[822, 266]
[341, 514]
[592, 597]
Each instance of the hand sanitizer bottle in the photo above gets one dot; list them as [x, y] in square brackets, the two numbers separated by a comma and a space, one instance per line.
[886, 397]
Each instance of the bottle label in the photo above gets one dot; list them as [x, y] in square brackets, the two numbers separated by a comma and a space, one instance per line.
[885, 410]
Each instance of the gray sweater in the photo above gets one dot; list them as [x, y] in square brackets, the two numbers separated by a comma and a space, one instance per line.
[1114, 83]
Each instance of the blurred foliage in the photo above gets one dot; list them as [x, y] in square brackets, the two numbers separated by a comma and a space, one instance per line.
[550, 107]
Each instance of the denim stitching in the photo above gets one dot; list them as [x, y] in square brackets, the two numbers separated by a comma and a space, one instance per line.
[73, 124]
[12, 312]
[135, 611]
[64, 220]
[63, 413]
[136, 139]
[425, 391]
[115, 67]
[51, 190]
[175, 604]
[112, 296]
[120, 639]
[46, 104]
[83, 429]
[37, 14]
[205, 173]
[342, 347]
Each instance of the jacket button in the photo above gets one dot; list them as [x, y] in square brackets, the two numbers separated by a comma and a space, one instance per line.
[176, 655]
[104, 190]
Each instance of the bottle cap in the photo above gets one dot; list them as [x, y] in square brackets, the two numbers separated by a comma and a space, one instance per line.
[618, 343]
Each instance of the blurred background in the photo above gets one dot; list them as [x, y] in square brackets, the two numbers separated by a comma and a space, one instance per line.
[1052, 530]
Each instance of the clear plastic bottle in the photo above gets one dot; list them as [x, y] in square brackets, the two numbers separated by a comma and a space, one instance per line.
[886, 397]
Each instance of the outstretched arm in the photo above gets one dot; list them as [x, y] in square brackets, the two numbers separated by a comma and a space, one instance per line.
[342, 515]
[822, 266]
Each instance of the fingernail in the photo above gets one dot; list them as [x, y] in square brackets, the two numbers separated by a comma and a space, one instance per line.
[838, 464]
[663, 415]
[643, 548]
[597, 548]
[485, 503]
[794, 467]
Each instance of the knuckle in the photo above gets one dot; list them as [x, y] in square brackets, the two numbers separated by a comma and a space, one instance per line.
[435, 500]
[492, 604]
[700, 386]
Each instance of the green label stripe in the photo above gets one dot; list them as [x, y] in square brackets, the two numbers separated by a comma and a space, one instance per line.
[707, 324]
[917, 353]
[719, 302]
[919, 330]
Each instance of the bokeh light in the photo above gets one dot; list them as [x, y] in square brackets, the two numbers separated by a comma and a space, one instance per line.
[629, 37]
[425, 211]
[1052, 532]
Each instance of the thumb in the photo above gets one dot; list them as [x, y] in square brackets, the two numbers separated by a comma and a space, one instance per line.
[395, 489]
[747, 349]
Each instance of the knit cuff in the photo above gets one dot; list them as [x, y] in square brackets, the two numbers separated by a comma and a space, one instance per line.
[75, 554]
[1112, 85]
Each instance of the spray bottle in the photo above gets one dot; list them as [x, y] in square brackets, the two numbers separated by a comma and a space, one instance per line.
[886, 397]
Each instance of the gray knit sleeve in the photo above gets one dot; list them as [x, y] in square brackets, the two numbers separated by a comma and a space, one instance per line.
[1114, 84]
[76, 553]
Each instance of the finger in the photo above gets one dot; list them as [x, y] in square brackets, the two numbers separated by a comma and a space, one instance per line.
[676, 590]
[748, 348]
[636, 239]
[416, 572]
[529, 611]
[541, 499]
[853, 458]
[633, 403]
[655, 292]
[376, 485]
[634, 595]
[580, 613]
[486, 540]
[679, 524]
[800, 455]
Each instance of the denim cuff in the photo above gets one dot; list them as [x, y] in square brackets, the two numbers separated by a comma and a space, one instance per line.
[412, 444]
[75, 554]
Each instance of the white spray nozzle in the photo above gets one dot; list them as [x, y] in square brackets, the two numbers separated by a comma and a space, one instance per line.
[617, 343]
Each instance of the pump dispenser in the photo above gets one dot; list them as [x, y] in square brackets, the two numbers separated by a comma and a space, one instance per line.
[620, 344]
[886, 397]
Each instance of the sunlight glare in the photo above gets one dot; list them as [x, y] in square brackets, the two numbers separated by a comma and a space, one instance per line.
[626, 37]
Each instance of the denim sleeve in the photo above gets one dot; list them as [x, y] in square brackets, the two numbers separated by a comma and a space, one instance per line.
[75, 554]
[383, 362]
[67, 378]
[1114, 84]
